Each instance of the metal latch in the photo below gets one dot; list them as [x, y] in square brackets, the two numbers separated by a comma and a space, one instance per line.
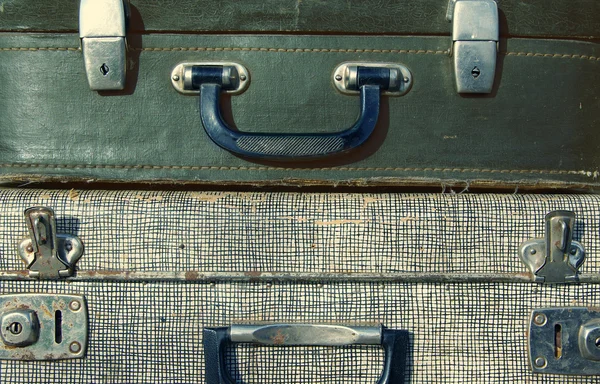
[555, 258]
[48, 255]
[43, 327]
[475, 35]
[102, 29]
[565, 341]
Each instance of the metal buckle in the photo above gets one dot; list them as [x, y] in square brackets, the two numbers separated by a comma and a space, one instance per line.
[48, 255]
[555, 258]
[475, 35]
[102, 29]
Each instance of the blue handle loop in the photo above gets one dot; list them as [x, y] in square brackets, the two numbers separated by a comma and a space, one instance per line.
[216, 340]
[276, 146]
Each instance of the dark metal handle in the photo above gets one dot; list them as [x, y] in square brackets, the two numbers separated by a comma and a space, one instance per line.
[216, 340]
[212, 80]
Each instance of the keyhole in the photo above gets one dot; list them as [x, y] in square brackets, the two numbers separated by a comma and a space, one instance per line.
[104, 69]
[15, 328]
[58, 327]
[475, 72]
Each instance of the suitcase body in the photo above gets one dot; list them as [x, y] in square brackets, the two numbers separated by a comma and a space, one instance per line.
[535, 128]
[159, 267]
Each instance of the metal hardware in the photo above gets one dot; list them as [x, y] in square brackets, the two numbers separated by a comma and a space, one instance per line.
[48, 255]
[211, 79]
[345, 78]
[102, 29]
[20, 328]
[235, 77]
[215, 341]
[304, 334]
[43, 327]
[567, 343]
[555, 258]
[475, 36]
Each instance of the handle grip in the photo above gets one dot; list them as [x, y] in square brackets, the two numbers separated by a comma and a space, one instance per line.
[216, 340]
[213, 80]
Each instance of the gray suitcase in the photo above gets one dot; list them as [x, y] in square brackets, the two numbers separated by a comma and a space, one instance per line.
[465, 280]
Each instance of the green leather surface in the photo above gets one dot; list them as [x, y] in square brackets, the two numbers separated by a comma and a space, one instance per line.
[558, 18]
[540, 124]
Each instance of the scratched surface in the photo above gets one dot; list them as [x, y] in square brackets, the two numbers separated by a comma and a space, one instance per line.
[151, 333]
[538, 126]
[143, 332]
[557, 18]
[254, 233]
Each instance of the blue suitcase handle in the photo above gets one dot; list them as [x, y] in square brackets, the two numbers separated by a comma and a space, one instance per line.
[216, 340]
[276, 146]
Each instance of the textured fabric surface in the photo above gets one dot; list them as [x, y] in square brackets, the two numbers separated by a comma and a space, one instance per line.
[150, 332]
[293, 232]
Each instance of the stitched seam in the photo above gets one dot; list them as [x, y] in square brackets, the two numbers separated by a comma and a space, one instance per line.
[594, 174]
[40, 49]
[308, 50]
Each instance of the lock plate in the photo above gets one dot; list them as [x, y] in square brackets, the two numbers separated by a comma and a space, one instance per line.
[565, 341]
[43, 327]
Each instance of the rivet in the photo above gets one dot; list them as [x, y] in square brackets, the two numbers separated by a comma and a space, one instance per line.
[540, 319]
[75, 347]
[75, 305]
[406, 79]
[338, 77]
[573, 251]
[243, 77]
[540, 362]
[269, 285]
[532, 251]
[68, 246]
[597, 342]
[175, 77]
[29, 249]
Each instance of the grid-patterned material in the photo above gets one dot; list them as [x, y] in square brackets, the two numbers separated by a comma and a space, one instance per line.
[293, 232]
[150, 333]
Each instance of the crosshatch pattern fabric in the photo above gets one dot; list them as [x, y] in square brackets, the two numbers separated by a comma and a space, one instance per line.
[151, 332]
[294, 232]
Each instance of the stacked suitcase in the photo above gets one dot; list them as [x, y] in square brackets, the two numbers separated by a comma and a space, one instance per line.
[145, 238]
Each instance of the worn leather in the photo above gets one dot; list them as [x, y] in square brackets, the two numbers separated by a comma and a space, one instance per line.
[541, 18]
[538, 127]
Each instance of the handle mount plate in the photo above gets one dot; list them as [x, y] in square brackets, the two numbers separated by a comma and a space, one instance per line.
[181, 75]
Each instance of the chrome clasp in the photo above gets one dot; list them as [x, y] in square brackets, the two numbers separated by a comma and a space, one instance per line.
[48, 255]
[475, 36]
[555, 258]
[102, 29]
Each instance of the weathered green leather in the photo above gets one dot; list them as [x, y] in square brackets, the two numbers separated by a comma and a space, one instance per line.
[539, 18]
[538, 127]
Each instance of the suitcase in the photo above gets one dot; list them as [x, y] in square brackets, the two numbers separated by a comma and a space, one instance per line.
[108, 285]
[502, 96]
[468, 287]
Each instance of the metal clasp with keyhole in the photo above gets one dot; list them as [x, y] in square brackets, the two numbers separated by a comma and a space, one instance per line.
[43, 327]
